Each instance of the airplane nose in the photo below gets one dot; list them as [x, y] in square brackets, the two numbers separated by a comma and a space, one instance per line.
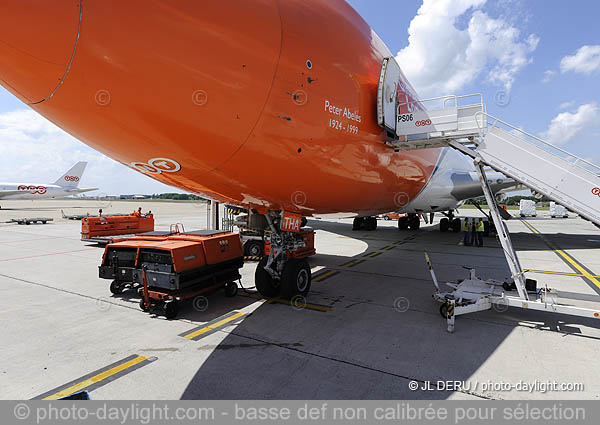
[37, 42]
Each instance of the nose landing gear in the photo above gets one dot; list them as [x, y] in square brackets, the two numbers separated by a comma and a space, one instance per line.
[285, 272]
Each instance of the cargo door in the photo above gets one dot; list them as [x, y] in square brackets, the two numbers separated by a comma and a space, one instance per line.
[387, 94]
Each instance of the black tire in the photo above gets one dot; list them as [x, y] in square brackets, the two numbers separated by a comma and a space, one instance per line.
[295, 278]
[115, 288]
[254, 248]
[444, 225]
[415, 223]
[170, 309]
[231, 289]
[456, 225]
[358, 223]
[444, 310]
[403, 223]
[303, 222]
[44, 222]
[265, 284]
[143, 305]
[370, 223]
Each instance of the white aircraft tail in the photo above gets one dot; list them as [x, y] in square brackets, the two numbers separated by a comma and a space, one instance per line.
[72, 177]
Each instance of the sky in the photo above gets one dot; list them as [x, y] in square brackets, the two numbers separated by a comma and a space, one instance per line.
[537, 64]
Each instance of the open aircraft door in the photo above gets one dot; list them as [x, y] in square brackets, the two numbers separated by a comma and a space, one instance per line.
[387, 95]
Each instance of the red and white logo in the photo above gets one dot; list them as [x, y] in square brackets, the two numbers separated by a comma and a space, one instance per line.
[71, 178]
[156, 166]
[596, 191]
[291, 222]
[423, 123]
[35, 190]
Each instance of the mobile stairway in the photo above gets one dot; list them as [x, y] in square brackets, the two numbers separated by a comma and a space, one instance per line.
[461, 122]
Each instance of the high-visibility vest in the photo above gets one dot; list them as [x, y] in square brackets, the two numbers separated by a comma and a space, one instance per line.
[479, 227]
[465, 226]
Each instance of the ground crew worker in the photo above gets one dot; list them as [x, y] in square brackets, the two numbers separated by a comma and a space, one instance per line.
[138, 213]
[479, 229]
[467, 230]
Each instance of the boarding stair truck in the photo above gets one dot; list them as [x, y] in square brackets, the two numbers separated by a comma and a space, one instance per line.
[462, 123]
[527, 208]
[557, 210]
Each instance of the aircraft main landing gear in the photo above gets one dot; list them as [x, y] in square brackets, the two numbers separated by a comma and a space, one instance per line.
[411, 221]
[450, 222]
[366, 223]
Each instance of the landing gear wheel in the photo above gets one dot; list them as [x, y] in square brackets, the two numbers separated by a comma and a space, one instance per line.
[171, 309]
[415, 223]
[444, 225]
[143, 305]
[358, 223]
[231, 289]
[115, 288]
[370, 223]
[265, 284]
[403, 223]
[295, 278]
[456, 225]
[386, 217]
[254, 248]
[444, 310]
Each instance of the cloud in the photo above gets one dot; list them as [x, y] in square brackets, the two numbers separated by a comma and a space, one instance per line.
[566, 125]
[566, 105]
[586, 60]
[35, 150]
[548, 76]
[441, 58]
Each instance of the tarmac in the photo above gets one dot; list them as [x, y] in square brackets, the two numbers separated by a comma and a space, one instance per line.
[369, 328]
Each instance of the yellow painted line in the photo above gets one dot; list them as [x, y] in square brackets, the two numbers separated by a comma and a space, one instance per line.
[569, 259]
[558, 273]
[387, 248]
[550, 272]
[308, 306]
[213, 326]
[316, 307]
[325, 275]
[353, 263]
[575, 264]
[97, 378]
[373, 254]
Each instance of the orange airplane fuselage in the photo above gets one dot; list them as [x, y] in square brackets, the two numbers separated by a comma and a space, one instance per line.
[261, 103]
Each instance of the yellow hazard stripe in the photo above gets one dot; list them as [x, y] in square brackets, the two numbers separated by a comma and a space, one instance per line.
[213, 326]
[97, 378]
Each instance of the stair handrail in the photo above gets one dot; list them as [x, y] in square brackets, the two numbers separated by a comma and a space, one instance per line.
[550, 145]
[445, 99]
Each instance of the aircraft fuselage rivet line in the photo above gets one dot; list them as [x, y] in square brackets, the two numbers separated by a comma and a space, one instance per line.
[587, 275]
[98, 378]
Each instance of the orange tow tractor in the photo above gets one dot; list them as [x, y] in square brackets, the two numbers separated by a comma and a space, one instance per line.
[174, 268]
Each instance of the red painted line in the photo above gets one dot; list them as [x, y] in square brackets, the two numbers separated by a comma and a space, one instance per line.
[45, 255]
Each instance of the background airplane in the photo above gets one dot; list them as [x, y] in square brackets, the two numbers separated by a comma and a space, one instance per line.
[453, 182]
[66, 185]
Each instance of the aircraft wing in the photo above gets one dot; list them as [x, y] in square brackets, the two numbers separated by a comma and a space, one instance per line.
[10, 192]
[75, 191]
